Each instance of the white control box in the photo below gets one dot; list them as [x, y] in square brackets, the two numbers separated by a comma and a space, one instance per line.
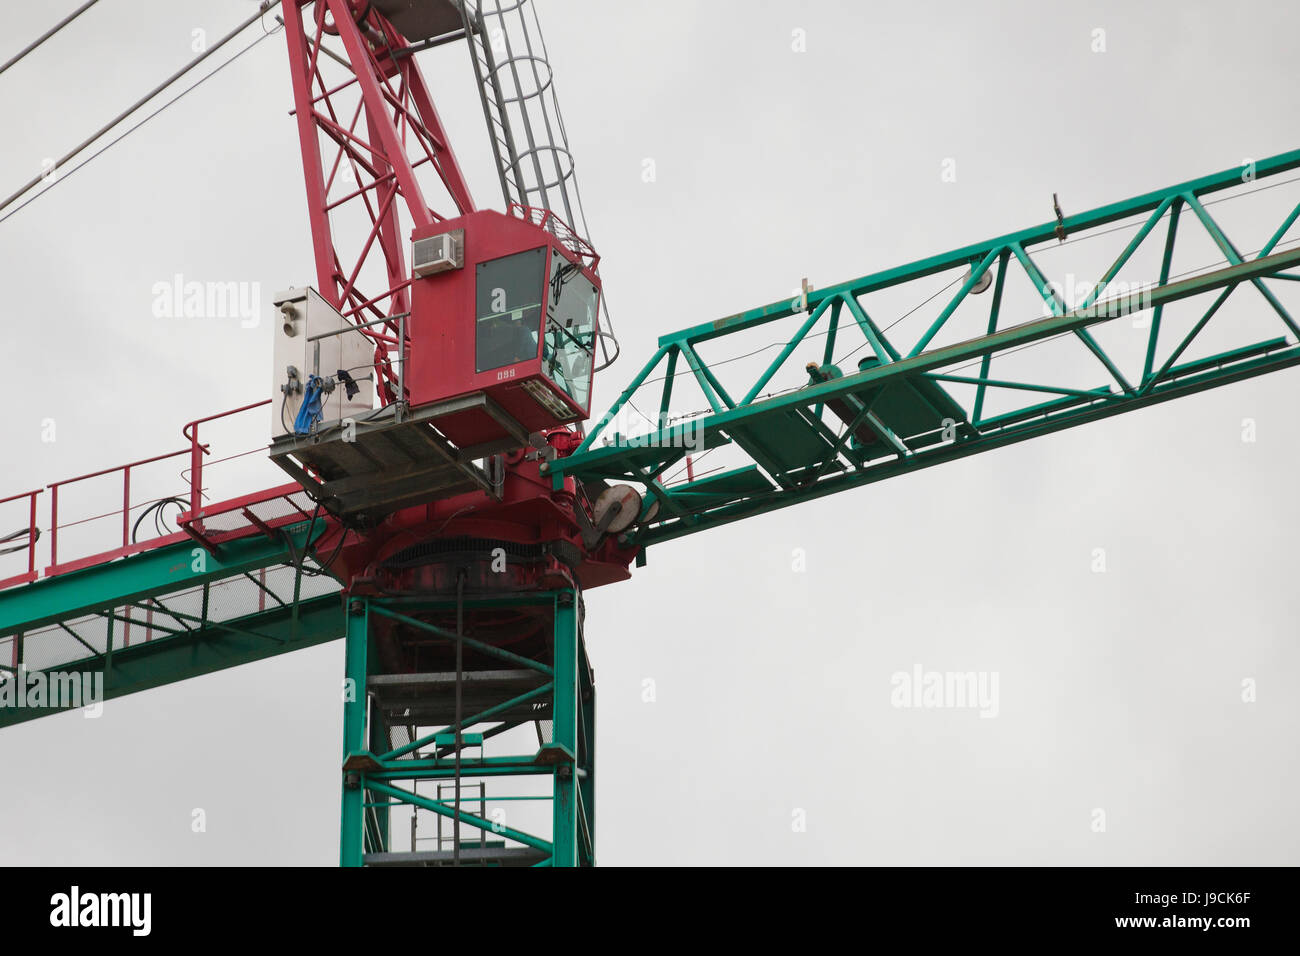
[313, 339]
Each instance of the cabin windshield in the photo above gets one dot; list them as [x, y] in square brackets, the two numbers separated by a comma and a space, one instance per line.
[508, 309]
[570, 336]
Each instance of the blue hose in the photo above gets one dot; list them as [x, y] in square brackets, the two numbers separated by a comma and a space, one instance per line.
[310, 412]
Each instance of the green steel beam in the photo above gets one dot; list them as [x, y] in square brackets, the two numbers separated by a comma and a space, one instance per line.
[497, 652]
[355, 735]
[1166, 261]
[149, 574]
[1045, 233]
[587, 784]
[200, 651]
[406, 796]
[995, 311]
[1018, 335]
[487, 714]
[402, 769]
[1045, 423]
[564, 723]
[916, 422]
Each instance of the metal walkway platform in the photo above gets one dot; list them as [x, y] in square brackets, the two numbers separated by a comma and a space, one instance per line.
[394, 459]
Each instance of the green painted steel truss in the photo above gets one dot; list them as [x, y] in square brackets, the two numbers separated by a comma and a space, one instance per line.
[158, 617]
[391, 746]
[898, 410]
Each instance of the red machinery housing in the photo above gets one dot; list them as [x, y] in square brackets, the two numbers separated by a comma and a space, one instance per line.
[498, 356]
[506, 305]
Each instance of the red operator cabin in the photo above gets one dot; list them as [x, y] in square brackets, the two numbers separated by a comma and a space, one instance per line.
[506, 305]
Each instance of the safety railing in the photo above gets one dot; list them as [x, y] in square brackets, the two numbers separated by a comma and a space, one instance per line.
[198, 450]
[187, 491]
[556, 226]
[9, 544]
[127, 546]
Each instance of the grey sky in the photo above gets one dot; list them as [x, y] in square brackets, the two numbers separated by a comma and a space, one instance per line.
[1119, 691]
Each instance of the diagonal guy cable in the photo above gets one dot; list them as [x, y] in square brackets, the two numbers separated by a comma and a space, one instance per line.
[47, 34]
[262, 8]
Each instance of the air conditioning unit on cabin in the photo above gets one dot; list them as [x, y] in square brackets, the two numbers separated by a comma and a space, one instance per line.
[435, 254]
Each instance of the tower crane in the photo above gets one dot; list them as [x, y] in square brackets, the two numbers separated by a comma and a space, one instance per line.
[448, 496]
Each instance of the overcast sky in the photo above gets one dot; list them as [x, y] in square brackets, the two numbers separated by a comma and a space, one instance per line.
[1118, 691]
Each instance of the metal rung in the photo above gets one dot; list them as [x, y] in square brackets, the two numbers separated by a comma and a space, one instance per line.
[469, 856]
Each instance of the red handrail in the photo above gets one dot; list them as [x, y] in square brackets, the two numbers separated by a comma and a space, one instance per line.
[568, 237]
[197, 451]
[32, 534]
[126, 499]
